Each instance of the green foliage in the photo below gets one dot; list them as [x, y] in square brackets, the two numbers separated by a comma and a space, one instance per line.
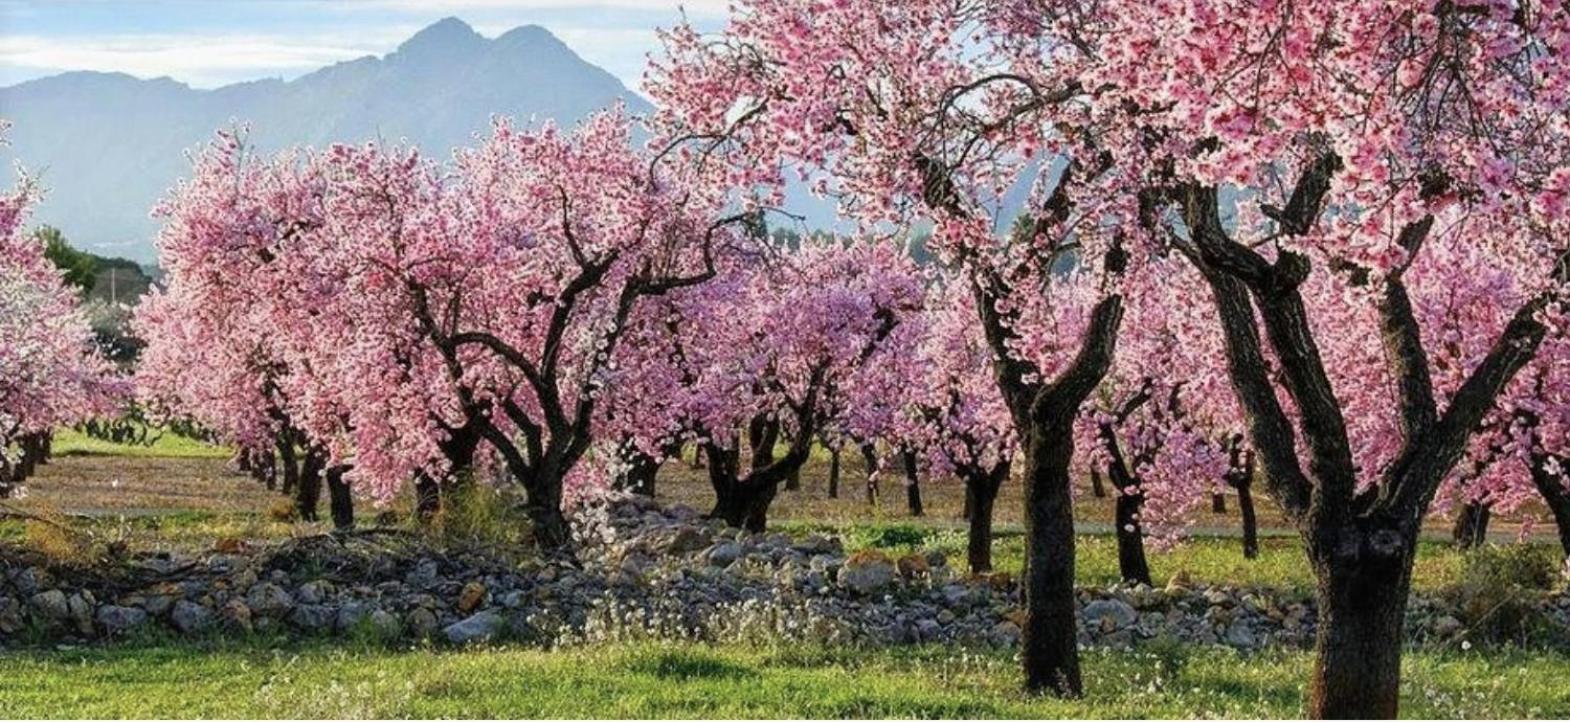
[80, 267]
[1498, 590]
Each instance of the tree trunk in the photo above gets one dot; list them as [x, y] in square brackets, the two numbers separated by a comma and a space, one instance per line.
[1245, 505]
[308, 488]
[739, 503]
[1051, 648]
[834, 472]
[981, 491]
[640, 473]
[869, 457]
[1096, 487]
[1557, 498]
[289, 465]
[793, 481]
[427, 498]
[1132, 565]
[912, 482]
[1361, 594]
[1471, 525]
[340, 499]
[1218, 503]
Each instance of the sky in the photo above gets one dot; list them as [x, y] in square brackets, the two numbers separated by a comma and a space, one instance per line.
[208, 43]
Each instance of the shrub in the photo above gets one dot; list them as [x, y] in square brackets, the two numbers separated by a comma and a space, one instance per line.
[1499, 592]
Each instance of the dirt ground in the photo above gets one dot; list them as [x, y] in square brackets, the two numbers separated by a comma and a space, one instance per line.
[103, 485]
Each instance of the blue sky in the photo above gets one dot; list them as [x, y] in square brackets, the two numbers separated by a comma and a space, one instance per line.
[207, 43]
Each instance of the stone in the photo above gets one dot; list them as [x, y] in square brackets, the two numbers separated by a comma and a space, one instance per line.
[313, 617]
[422, 622]
[937, 559]
[685, 540]
[867, 573]
[384, 624]
[469, 599]
[189, 617]
[912, 566]
[1241, 636]
[237, 615]
[115, 619]
[52, 604]
[10, 616]
[1005, 633]
[81, 605]
[1110, 614]
[723, 553]
[159, 604]
[1447, 626]
[269, 600]
[424, 575]
[314, 592]
[475, 629]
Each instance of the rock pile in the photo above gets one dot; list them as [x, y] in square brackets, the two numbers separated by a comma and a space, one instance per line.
[642, 571]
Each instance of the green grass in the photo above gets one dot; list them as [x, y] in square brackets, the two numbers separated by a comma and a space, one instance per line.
[252, 680]
[1280, 565]
[70, 442]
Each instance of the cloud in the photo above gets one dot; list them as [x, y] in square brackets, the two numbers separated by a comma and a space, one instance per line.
[201, 60]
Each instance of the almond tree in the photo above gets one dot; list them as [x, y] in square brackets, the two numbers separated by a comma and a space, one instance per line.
[51, 371]
[899, 111]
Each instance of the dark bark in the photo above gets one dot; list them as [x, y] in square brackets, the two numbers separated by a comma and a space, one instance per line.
[1245, 505]
[308, 488]
[1471, 525]
[1218, 503]
[834, 472]
[1557, 498]
[1241, 478]
[1359, 542]
[340, 499]
[793, 480]
[912, 482]
[1361, 595]
[981, 493]
[1097, 488]
[1127, 529]
[869, 459]
[427, 498]
[1050, 653]
[288, 465]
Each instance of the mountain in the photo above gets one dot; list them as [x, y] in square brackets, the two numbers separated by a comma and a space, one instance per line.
[107, 146]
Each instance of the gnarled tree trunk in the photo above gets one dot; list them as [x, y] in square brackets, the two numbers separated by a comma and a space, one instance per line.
[834, 472]
[1361, 597]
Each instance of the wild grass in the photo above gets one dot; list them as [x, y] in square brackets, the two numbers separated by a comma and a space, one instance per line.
[257, 679]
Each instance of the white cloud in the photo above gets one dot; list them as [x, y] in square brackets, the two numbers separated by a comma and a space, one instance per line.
[201, 60]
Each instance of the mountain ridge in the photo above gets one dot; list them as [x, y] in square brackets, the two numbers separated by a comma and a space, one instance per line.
[111, 144]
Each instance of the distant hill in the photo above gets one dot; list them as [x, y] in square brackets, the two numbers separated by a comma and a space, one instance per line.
[109, 145]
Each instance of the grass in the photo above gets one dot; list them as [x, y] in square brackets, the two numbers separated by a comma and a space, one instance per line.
[251, 679]
[70, 442]
[1210, 559]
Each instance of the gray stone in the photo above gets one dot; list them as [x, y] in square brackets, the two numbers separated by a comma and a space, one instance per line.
[867, 574]
[1117, 610]
[10, 615]
[424, 574]
[476, 628]
[422, 622]
[384, 624]
[52, 604]
[314, 592]
[189, 617]
[115, 619]
[1241, 636]
[269, 600]
[723, 554]
[313, 617]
